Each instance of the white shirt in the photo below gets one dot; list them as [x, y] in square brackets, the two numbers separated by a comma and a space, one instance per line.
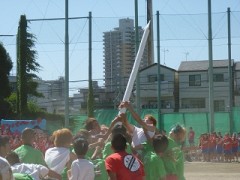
[37, 171]
[138, 136]
[56, 158]
[82, 169]
[5, 169]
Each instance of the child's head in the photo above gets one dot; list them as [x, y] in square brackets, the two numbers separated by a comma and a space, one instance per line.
[119, 129]
[80, 146]
[83, 133]
[178, 133]
[149, 119]
[62, 137]
[92, 124]
[28, 136]
[4, 145]
[160, 143]
[119, 142]
[12, 158]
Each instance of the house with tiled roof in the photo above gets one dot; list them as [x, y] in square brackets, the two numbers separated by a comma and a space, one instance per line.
[194, 86]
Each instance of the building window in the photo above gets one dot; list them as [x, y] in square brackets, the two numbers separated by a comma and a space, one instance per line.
[190, 103]
[219, 105]
[218, 77]
[195, 80]
[152, 78]
[162, 77]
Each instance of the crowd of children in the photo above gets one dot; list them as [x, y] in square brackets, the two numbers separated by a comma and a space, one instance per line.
[121, 151]
[217, 148]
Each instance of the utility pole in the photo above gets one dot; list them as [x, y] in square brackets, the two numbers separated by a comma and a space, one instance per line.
[161, 124]
[164, 54]
[66, 66]
[230, 72]
[136, 50]
[210, 68]
[186, 55]
[150, 37]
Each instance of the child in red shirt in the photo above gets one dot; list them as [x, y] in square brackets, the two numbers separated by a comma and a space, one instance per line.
[227, 147]
[121, 165]
[234, 147]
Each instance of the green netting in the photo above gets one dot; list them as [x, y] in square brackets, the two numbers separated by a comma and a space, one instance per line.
[199, 121]
[236, 118]
[222, 122]
[169, 120]
[77, 123]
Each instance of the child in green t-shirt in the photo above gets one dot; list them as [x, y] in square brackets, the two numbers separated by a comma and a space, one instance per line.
[153, 162]
[173, 158]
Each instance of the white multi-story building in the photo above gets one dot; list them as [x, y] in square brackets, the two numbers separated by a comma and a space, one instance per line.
[119, 55]
[194, 86]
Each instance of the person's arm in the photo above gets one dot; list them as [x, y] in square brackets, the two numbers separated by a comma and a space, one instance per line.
[112, 176]
[128, 126]
[73, 157]
[114, 121]
[54, 175]
[97, 152]
[136, 117]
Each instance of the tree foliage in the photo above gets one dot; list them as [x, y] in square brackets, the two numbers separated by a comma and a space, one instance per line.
[5, 90]
[27, 66]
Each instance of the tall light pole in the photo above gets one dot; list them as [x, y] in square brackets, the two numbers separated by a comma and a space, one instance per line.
[210, 68]
[66, 66]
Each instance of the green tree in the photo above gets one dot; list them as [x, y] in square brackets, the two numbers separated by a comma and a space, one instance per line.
[27, 66]
[5, 90]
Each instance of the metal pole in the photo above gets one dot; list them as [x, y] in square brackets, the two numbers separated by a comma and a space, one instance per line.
[210, 70]
[150, 37]
[90, 46]
[136, 50]
[66, 66]
[161, 124]
[230, 72]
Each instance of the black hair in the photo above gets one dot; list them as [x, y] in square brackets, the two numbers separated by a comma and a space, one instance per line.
[160, 143]
[119, 142]
[119, 129]
[12, 158]
[4, 140]
[80, 146]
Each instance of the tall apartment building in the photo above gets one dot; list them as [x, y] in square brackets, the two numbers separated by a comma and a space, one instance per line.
[119, 55]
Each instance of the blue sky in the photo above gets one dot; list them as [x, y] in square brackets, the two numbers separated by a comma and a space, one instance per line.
[183, 32]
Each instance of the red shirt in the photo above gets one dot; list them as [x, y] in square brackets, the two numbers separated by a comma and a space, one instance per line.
[125, 166]
[212, 141]
[204, 143]
[191, 135]
[227, 143]
[234, 142]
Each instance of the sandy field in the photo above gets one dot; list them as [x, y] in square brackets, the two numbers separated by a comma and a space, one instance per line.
[212, 171]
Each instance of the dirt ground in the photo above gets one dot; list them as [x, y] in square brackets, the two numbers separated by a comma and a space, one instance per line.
[212, 171]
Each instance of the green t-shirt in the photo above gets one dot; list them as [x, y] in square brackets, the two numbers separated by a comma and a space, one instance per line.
[20, 176]
[173, 159]
[154, 167]
[30, 155]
